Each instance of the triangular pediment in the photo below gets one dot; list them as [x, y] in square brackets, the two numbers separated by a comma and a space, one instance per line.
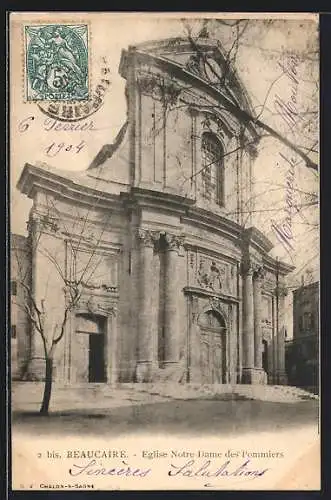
[204, 59]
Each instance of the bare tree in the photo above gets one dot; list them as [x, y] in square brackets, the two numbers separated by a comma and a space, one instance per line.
[67, 269]
[223, 82]
[293, 125]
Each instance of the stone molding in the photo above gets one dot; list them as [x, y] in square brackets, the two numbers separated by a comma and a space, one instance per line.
[95, 305]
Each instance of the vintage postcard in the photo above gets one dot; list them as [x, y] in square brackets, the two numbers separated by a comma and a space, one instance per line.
[164, 251]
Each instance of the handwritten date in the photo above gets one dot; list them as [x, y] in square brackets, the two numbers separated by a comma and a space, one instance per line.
[55, 148]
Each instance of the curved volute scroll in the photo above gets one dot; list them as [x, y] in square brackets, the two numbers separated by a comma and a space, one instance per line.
[148, 238]
[174, 242]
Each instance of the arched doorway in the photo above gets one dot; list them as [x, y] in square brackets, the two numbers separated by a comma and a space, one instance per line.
[212, 348]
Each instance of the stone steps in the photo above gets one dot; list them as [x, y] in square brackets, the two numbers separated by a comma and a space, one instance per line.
[104, 396]
[258, 392]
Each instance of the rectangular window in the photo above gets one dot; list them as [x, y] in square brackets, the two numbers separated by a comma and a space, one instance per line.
[13, 287]
[13, 331]
[307, 322]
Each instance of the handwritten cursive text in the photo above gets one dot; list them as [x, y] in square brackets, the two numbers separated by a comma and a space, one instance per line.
[93, 469]
[209, 470]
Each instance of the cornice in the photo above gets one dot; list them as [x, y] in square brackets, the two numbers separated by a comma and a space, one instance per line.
[192, 290]
[34, 178]
[257, 240]
[162, 201]
[214, 223]
[275, 266]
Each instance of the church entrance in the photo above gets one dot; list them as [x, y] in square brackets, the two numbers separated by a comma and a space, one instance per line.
[213, 351]
[91, 359]
[96, 358]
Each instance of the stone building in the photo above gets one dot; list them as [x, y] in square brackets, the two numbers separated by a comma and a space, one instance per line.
[175, 283]
[302, 352]
[20, 326]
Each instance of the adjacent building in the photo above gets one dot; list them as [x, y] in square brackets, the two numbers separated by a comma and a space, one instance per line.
[156, 236]
[302, 352]
[20, 325]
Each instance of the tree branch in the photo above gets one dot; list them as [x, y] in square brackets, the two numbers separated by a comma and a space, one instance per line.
[248, 118]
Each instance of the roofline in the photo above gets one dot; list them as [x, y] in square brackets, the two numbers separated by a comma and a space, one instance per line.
[246, 115]
[315, 284]
[212, 43]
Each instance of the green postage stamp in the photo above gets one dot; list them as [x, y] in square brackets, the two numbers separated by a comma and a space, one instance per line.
[56, 62]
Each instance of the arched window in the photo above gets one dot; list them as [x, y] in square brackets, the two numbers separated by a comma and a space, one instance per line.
[212, 168]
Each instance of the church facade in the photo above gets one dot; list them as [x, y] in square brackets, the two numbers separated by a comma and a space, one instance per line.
[175, 284]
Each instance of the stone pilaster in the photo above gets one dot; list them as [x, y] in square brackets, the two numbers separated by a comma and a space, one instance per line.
[147, 347]
[258, 277]
[248, 323]
[36, 368]
[111, 349]
[281, 293]
[171, 299]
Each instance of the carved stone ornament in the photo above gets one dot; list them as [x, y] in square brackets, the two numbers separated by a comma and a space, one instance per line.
[92, 305]
[148, 238]
[174, 242]
[206, 123]
[210, 275]
[96, 307]
[281, 291]
[214, 303]
[103, 287]
[246, 268]
[259, 272]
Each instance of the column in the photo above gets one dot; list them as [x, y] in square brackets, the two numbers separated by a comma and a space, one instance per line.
[112, 360]
[36, 366]
[248, 324]
[194, 113]
[281, 293]
[146, 330]
[257, 293]
[171, 299]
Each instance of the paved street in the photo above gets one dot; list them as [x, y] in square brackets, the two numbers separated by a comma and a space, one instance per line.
[177, 417]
